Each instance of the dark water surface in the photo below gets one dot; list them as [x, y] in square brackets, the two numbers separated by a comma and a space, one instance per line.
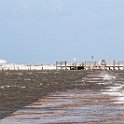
[73, 106]
[97, 98]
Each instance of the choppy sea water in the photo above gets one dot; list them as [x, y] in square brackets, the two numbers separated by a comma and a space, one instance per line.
[104, 106]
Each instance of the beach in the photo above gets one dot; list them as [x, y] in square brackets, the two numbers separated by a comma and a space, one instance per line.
[62, 97]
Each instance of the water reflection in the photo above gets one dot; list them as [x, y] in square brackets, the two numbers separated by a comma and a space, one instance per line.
[99, 106]
[77, 106]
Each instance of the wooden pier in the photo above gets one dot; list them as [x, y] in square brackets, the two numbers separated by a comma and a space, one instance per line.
[90, 65]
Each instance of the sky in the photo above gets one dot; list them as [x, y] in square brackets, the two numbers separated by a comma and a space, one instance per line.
[46, 31]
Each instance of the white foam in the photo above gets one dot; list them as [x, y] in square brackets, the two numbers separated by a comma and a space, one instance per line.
[115, 90]
[108, 77]
[6, 86]
[117, 93]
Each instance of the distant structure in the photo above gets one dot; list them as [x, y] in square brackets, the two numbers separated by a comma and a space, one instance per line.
[64, 65]
[61, 65]
[91, 65]
[2, 62]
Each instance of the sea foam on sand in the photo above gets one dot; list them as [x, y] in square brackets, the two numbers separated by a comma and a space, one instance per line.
[115, 90]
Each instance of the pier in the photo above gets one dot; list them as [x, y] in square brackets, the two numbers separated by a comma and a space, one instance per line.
[90, 65]
[64, 65]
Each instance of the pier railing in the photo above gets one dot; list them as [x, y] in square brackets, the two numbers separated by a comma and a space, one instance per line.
[64, 65]
[91, 65]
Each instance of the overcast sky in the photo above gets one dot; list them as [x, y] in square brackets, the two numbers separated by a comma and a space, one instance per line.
[43, 31]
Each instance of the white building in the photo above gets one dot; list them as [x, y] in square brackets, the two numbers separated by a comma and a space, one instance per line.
[2, 62]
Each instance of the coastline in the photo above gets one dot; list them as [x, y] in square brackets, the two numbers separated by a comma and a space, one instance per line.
[21, 88]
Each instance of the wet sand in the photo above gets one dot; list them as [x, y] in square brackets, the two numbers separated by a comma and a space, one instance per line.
[70, 107]
[65, 97]
[20, 88]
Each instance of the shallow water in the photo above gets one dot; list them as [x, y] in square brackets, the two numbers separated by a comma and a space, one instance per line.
[99, 105]
[72, 106]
